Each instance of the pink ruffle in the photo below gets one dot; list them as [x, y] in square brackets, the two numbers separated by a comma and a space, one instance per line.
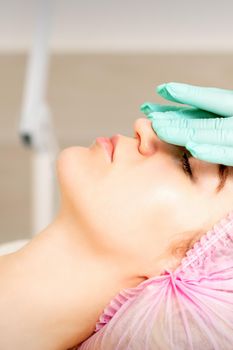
[198, 263]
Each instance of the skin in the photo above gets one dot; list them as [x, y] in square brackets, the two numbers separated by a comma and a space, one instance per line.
[118, 224]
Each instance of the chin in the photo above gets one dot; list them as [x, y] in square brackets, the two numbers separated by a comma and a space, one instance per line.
[72, 166]
[71, 156]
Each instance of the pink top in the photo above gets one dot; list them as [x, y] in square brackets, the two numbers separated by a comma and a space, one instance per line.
[189, 308]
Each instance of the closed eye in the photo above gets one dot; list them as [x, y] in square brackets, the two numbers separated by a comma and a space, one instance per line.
[185, 163]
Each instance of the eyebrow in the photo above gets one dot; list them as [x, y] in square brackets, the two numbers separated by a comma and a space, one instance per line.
[223, 172]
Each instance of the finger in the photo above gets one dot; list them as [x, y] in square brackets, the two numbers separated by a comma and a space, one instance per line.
[217, 123]
[173, 135]
[149, 107]
[218, 101]
[182, 113]
[180, 136]
[211, 153]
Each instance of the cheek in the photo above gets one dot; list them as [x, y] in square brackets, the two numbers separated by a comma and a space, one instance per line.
[110, 203]
[131, 210]
[173, 205]
[164, 201]
[122, 210]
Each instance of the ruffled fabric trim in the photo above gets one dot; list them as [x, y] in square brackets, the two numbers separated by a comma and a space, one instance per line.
[192, 266]
[124, 295]
[222, 231]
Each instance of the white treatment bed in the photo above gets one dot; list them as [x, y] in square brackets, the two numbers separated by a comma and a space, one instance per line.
[12, 246]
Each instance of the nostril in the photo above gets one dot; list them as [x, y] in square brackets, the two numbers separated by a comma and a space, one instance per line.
[137, 136]
[145, 136]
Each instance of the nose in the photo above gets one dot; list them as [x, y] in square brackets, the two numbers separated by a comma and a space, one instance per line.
[148, 139]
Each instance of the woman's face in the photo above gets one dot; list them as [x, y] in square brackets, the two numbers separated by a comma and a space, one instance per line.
[134, 207]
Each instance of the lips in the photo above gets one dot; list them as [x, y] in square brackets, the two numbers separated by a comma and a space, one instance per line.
[114, 139]
[108, 144]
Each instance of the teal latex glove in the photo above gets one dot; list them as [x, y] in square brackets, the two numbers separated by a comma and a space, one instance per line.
[205, 128]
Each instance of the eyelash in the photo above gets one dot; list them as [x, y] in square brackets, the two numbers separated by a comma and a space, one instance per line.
[186, 164]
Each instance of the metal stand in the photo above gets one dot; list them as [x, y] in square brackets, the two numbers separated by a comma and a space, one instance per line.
[36, 128]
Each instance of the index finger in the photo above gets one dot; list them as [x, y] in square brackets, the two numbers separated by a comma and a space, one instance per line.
[218, 101]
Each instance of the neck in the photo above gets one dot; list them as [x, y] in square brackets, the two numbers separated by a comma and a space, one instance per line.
[60, 287]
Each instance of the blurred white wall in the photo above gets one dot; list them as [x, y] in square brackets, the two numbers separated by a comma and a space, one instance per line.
[131, 25]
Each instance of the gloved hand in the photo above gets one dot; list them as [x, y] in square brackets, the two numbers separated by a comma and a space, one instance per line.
[205, 129]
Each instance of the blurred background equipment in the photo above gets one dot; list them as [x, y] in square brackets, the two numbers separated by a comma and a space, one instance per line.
[36, 128]
[106, 58]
